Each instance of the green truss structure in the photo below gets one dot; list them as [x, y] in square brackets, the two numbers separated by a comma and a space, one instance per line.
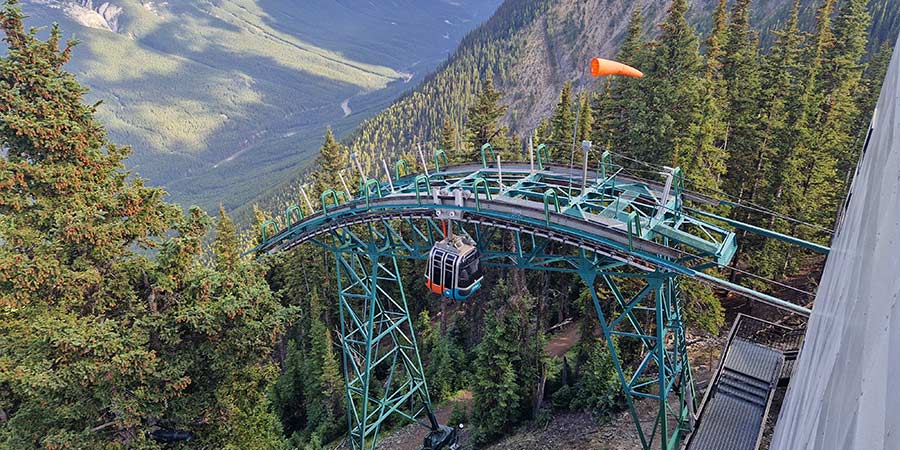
[630, 240]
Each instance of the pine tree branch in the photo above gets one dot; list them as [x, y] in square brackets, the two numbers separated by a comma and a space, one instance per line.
[101, 427]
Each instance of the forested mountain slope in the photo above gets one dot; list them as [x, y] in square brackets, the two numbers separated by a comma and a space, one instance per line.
[533, 47]
[221, 98]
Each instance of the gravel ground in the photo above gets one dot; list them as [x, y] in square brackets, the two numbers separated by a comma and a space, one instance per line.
[573, 431]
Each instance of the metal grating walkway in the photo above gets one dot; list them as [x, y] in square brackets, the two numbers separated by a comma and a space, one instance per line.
[737, 404]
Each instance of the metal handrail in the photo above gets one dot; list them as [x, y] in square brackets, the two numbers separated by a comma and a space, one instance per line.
[266, 225]
[297, 212]
[547, 194]
[405, 164]
[437, 164]
[484, 147]
[422, 179]
[487, 191]
[334, 197]
[367, 189]
[542, 150]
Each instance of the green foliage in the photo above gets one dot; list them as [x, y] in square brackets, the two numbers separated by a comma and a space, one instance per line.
[323, 383]
[621, 109]
[444, 366]
[315, 443]
[309, 396]
[226, 246]
[483, 122]
[562, 123]
[598, 387]
[586, 121]
[332, 159]
[497, 393]
[450, 142]
[563, 397]
[103, 344]
[507, 363]
[702, 309]
[458, 415]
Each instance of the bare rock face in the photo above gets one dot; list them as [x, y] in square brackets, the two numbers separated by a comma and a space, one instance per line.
[100, 15]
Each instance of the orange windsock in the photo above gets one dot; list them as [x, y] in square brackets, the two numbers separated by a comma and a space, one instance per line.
[602, 67]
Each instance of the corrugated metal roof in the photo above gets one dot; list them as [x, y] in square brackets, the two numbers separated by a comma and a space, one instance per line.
[735, 411]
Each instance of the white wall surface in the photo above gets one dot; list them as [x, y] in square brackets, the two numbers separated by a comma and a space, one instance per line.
[845, 394]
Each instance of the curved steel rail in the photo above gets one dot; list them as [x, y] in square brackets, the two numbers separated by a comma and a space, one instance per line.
[657, 247]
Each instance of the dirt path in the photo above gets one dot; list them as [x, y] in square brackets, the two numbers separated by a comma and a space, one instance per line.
[563, 339]
[410, 437]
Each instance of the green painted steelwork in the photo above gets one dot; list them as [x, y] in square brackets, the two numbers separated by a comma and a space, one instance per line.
[483, 156]
[605, 163]
[401, 163]
[542, 154]
[438, 156]
[613, 230]
[265, 226]
[487, 191]
[333, 195]
[547, 194]
[818, 248]
[294, 214]
[422, 179]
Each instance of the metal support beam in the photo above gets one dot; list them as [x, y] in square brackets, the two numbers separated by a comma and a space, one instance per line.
[632, 277]
[663, 373]
[382, 369]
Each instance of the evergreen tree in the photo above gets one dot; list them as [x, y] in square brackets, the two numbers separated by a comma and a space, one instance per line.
[483, 121]
[841, 80]
[704, 163]
[324, 389]
[598, 388]
[332, 159]
[741, 71]
[784, 127]
[870, 88]
[673, 87]
[623, 110]
[446, 361]
[586, 121]
[227, 245]
[507, 365]
[702, 308]
[562, 124]
[102, 344]
[715, 43]
[496, 392]
[288, 394]
[449, 143]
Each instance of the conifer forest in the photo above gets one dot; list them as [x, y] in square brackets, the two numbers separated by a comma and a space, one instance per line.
[128, 321]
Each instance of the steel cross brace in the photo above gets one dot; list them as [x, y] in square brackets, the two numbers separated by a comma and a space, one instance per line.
[377, 331]
[663, 374]
[377, 336]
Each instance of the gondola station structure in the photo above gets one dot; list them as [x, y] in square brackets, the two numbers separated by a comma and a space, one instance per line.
[636, 239]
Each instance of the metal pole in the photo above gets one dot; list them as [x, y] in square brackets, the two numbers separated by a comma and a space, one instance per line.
[388, 172]
[531, 151]
[586, 148]
[344, 182]
[422, 157]
[308, 203]
[499, 173]
[362, 174]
